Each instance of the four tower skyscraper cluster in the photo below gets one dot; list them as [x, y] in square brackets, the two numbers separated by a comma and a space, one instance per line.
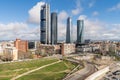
[49, 27]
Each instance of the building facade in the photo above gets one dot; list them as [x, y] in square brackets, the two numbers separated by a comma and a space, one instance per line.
[53, 28]
[80, 28]
[69, 30]
[67, 49]
[21, 45]
[48, 49]
[11, 51]
[45, 24]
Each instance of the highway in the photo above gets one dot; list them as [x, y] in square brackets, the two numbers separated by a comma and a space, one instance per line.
[83, 73]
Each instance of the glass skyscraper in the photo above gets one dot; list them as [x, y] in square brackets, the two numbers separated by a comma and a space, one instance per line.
[69, 30]
[80, 28]
[45, 24]
[53, 28]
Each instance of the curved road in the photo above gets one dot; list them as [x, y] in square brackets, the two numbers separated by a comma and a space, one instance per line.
[82, 74]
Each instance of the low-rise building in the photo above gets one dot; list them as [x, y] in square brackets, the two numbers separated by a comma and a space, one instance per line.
[67, 48]
[49, 49]
[1, 50]
[4, 45]
[11, 51]
[21, 45]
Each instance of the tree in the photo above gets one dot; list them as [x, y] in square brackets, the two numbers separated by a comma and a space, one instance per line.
[7, 57]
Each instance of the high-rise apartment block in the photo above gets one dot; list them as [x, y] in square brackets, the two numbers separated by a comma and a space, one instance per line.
[53, 28]
[45, 24]
[69, 30]
[80, 28]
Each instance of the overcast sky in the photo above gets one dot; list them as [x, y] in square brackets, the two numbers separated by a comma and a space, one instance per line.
[21, 18]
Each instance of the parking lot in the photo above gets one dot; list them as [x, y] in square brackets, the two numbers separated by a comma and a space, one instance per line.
[113, 74]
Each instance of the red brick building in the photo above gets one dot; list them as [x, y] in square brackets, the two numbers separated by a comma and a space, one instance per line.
[21, 45]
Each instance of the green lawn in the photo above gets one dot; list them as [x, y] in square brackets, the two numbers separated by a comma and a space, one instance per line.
[9, 70]
[53, 72]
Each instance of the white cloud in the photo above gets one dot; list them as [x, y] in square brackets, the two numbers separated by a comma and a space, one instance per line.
[95, 13]
[34, 13]
[23, 30]
[91, 4]
[18, 30]
[83, 17]
[96, 30]
[114, 8]
[93, 29]
[62, 18]
[78, 8]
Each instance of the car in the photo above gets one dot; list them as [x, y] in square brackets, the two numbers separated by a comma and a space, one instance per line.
[109, 75]
[114, 78]
[106, 79]
[116, 72]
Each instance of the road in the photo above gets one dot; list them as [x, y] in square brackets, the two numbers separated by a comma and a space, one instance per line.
[82, 74]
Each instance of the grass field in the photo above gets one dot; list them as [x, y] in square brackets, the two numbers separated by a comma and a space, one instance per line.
[9, 70]
[53, 72]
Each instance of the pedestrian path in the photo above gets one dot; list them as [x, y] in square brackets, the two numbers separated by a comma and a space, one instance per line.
[14, 78]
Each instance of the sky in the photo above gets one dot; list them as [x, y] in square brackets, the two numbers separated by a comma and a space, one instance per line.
[21, 18]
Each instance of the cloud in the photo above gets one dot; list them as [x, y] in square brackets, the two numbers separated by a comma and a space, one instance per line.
[18, 30]
[94, 29]
[95, 13]
[78, 8]
[115, 8]
[62, 19]
[83, 17]
[62, 16]
[97, 30]
[91, 4]
[34, 13]
[91, 28]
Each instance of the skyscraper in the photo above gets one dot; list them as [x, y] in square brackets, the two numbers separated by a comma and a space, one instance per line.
[45, 24]
[69, 30]
[80, 28]
[53, 28]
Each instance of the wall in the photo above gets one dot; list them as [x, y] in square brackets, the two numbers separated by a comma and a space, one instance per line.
[98, 73]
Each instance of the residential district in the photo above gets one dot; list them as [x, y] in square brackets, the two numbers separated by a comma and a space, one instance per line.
[100, 59]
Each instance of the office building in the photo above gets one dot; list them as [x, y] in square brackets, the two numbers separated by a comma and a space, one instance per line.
[45, 24]
[69, 30]
[32, 44]
[53, 28]
[80, 28]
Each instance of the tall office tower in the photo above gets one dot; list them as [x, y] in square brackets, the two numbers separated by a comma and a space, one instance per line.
[45, 24]
[53, 28]
[69, 30]
[80, 28]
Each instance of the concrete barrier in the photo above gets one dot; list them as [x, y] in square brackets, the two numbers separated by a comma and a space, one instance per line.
[97, 74]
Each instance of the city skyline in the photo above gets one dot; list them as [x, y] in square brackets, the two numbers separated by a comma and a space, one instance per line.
[101, 22]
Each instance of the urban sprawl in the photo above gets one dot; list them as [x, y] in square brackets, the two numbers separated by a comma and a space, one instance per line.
[100, 56]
